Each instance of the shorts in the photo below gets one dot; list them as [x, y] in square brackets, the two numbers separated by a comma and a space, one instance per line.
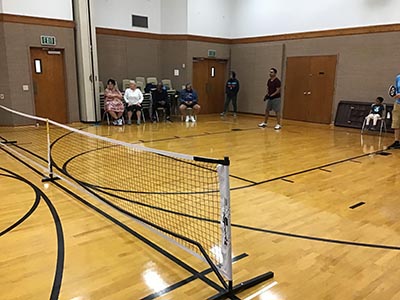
[134, 108]
[188, 106]
[396, 116]
[274, 104]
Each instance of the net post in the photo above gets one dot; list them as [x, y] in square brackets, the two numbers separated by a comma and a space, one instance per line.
[51, 176]
[225, 221]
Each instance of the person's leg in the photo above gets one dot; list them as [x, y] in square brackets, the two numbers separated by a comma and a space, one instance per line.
[234, 104]
[226, 104]
[167, 107]
[184, 113]
[368, 118]
[138, 114]
[375, 121]
[196, 109]
[396, 126]
[278, 118]
[113, 114]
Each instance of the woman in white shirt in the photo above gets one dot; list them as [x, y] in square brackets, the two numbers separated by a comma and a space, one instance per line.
[133, 98]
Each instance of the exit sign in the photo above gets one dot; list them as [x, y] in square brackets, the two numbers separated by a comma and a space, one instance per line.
[212, 53]
[47, 40]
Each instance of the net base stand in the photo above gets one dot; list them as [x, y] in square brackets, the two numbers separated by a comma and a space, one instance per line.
[231, 292]
[50, 178]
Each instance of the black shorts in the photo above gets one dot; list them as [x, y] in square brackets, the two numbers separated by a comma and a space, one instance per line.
[187, 105]
[133, 108]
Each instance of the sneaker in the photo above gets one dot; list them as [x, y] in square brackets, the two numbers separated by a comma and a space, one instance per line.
[138, 122]
[119, 121]
[192, 119]
[222, 114]
[263, 124]
[169, 119]
[115, 122]
[187, 119]
[277, 127]
[129, 122]
[395, 145]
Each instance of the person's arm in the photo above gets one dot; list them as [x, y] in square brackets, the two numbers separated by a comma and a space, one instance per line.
[182, 98]
[165, 96]
[126, 96]
[107, 95]
[237, 86]
[195, 97]
[140, 95]
[118, 94]
[278, 90]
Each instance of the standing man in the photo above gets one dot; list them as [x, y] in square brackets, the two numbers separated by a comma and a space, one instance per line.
[273, 98]
[231, 90]
[396, 116]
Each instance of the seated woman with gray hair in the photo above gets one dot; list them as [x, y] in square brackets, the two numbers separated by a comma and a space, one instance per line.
[133, 98]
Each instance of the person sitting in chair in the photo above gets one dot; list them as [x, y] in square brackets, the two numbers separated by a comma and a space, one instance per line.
[113, 102]
[133, 98]
[161, 100]
[375, 113]
[188, 99]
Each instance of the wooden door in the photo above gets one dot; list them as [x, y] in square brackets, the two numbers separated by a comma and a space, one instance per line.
[48, 77]
[322, 83]
[309, 88]
[209, 77]
[296, 88]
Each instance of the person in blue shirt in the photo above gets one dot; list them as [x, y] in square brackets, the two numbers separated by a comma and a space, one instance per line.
[188, 99]
[376, 113]
[396, 116]
[231, 90]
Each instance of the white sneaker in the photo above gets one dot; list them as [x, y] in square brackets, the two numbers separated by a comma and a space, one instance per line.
[119, 122]
[263, 124]
[192, 119]
[187, 119]
[277, 127]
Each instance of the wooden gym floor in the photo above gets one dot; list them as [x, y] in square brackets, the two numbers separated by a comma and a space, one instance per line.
[317, 205]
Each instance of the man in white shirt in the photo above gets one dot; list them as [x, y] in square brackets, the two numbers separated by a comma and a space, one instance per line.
[133, 98]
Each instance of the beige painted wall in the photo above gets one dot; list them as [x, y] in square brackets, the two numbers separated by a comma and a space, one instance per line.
[4, 81]
[367, 64]
[126, 58]
[18, 39]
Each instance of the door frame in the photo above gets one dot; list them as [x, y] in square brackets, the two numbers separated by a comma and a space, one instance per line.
[65, 77]
[217, 60]
[285, 59]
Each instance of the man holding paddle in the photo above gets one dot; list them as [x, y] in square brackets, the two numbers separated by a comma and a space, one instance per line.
[394, 91]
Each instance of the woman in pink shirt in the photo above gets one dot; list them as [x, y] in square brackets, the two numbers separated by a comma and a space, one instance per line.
[113, 102]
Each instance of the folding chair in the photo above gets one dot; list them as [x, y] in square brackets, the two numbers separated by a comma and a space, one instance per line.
[381, 121]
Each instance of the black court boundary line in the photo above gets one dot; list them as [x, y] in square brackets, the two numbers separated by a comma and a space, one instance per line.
[56, 287]
[321, 167]
[186, 281]
[146, 241]
[28, 213]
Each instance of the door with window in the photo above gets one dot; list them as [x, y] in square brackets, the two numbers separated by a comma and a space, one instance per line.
[48, 78]
[209, 77]
[309, 88]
